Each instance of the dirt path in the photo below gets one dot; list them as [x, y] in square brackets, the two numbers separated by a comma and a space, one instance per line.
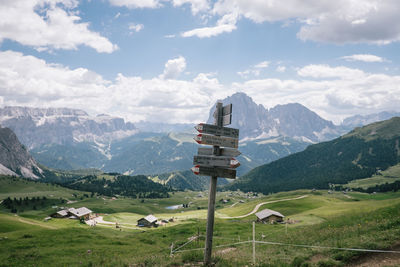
[263, 203]
[234, 204]
[36, 223]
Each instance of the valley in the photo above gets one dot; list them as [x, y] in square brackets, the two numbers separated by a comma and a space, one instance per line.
[103, 193]
[317, 218]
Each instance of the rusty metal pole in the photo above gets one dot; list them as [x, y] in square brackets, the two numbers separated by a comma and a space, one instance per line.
[212, 196]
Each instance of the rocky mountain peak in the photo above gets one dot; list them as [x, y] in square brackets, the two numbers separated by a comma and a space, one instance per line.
[292, 120]
[14, 159]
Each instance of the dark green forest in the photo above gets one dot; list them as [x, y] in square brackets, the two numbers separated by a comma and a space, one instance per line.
[138, 186]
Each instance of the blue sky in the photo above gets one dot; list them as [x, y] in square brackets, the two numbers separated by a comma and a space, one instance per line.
[170, 60]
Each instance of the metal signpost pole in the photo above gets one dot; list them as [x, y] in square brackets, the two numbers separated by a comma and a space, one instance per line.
[212, 196]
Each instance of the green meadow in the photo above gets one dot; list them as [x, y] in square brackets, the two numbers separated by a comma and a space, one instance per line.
[389, 176]
[320, 219]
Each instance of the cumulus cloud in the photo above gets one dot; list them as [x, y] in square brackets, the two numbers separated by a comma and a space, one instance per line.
[173, 68]
[332, 92]
[325, 71]
[136, 3]
[44, 23]
[364, 58]
[341, 21]
[30, 81]
[226, 24]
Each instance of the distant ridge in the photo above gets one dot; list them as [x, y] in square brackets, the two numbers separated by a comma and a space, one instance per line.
[43, 126]
[358, 154]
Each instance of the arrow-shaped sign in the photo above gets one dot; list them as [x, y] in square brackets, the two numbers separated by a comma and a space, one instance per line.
[227, 152]
[205, 139]
[225, 110]
[214, 171]
[216, 130]
[216, 161]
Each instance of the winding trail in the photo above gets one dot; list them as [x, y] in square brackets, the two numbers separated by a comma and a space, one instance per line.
[263, 203]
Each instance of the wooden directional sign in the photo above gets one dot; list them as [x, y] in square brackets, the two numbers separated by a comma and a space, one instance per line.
[216, 130]
[225, 110]
[226, 115]
[214, 171]
[216, 161]
[227, 119]
[227, 152]
[205, 139]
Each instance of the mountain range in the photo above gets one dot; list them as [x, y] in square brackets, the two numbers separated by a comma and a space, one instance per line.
[291, 120]
[71, 139]
[358, 154]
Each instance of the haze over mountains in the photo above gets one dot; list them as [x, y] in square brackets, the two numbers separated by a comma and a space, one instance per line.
[71, 139]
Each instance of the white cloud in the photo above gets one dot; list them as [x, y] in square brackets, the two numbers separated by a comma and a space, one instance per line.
[226, 24]
[136, 3]
[262, 65]
[43, 24]
[325, 71]
[340, 21]
[29, 81]
[355, 21]
[173, 68]
[332, 92]
[364, 57]
[135, 27]
[338, 92]
[196, 5]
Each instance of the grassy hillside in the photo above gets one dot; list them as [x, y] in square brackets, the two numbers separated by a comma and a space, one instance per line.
[388, 176]
[357, 155]
[320, 219]
[19, 187]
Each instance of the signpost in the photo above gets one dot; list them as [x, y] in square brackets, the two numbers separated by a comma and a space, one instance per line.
[210, 171]
[227, 152]
[214, 140]
[216, 161]
[216, 130]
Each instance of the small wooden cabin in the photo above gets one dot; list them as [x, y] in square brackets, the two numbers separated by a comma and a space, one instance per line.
[148, 221]
[270, 216]
[81, 213]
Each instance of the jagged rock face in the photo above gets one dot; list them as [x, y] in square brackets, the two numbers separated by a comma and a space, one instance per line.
[253, 120]
[297, 121]
[36, 127]
[14, 159]
[292, 120]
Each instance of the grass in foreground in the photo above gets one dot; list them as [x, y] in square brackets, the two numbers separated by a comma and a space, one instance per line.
[361, 221]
